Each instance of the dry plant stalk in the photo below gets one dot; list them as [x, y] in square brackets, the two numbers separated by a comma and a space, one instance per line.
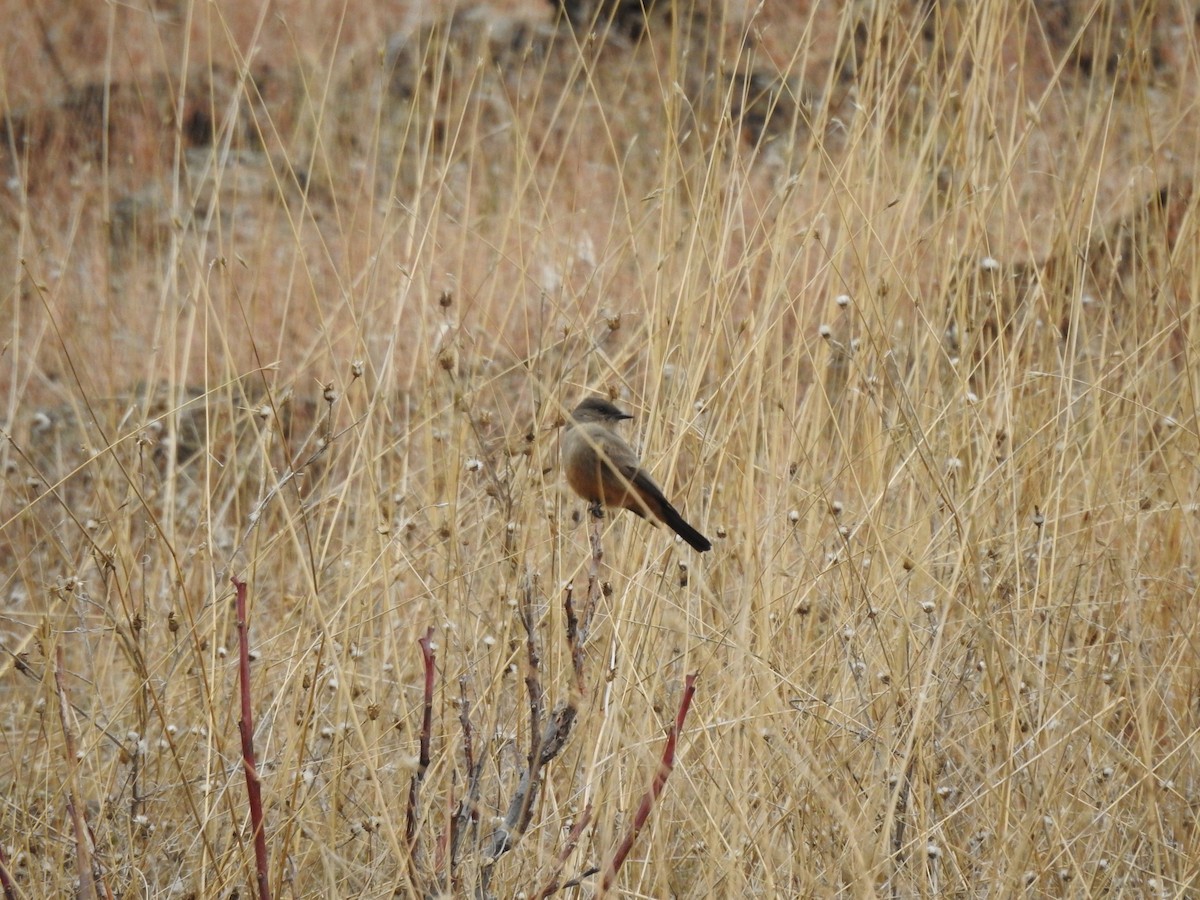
[262, 867]
[429, 662]
[553, 885]
[946, 642]
[6, 882]
[85, 863]
[665, 766]
[546, 739]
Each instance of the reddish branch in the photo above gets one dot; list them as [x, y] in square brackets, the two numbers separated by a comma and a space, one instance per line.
[660, 779]
[246, 730]
[428, 658]
[553, 885]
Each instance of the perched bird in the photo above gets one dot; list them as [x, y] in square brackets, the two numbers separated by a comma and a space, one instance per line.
[603, 470]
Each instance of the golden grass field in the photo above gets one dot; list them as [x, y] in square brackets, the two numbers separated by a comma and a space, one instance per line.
[901, 297]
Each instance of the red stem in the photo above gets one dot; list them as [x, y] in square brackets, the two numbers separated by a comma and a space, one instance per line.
[660, 779]
[429, 659]
[246, 730]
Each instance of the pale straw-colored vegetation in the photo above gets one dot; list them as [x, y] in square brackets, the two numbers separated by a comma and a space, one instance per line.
[901, 296]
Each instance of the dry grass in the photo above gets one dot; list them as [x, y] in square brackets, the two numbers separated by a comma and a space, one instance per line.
[296, 300]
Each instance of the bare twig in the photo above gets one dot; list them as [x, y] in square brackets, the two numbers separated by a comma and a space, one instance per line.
[468, 807]
[428, 659]
[595, 586]
[537, 701]
[83, 839]
[579, 622]
[553, 886]
[558, 729]
[262, 867]
[10, 889]
[901, 808]
[441, 851]
[580, 878]
[660, 779]
[520, 807]
[546, 741]
[573, 641]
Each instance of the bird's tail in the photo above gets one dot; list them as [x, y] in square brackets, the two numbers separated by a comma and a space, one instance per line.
[673, 520]
[649, 498]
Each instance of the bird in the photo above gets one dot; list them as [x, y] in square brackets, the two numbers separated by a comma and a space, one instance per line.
[603, 470]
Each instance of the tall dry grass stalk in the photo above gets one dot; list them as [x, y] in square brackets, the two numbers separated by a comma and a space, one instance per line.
[901, 295]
